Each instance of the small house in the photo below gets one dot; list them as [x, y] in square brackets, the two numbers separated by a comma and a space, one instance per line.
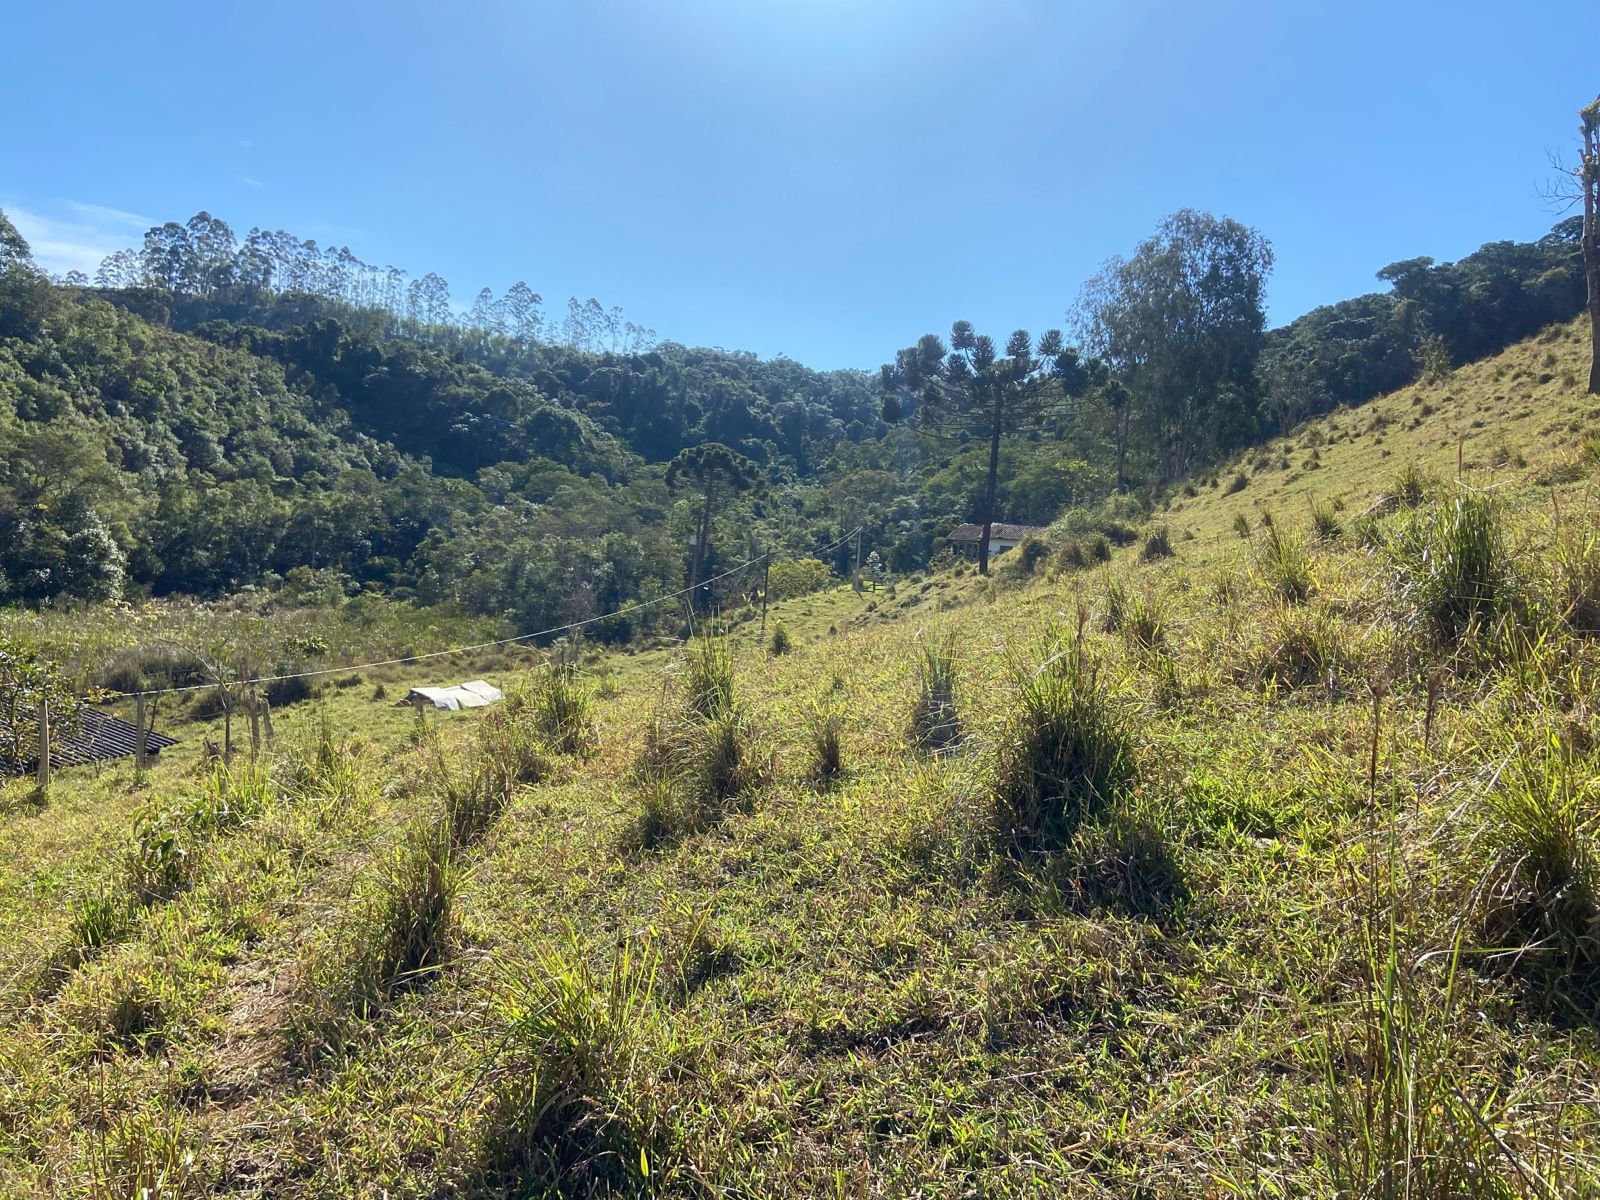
[1002, 537]
[474, 693]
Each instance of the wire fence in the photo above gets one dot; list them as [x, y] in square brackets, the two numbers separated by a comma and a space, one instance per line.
[569, 627]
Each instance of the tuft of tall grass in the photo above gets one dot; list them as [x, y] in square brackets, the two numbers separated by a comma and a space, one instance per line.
[99, 916]
[935, 722]
[1576, 580]
[1157, 545]
[1398, 1120]
[560, 707]
[1067, 751]
[709, 677]
[232, 794]
[781, 642]
[1543, 878]
[148, 1154]
[516, 748]
[827, 745]
[1300, 648]
[572, 1073]
[1450, 568]
[1284, 564]
[1325, 523]
[475, 793]
[393, 938]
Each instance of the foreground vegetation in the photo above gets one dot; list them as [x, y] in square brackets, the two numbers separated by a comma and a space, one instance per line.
[1255, 857]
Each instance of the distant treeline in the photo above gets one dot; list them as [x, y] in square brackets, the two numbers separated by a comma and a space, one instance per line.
[212, 413]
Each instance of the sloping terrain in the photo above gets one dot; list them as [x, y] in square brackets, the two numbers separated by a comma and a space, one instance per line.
[1256, 860]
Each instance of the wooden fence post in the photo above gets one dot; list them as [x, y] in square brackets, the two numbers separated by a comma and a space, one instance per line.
[44, 745]
[140, 743]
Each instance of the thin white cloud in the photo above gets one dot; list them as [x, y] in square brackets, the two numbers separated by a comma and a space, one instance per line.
[251, 182]
[80, 242]
[100, 215]
[245, 143]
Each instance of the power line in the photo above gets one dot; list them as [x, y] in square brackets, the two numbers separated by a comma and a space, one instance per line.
[394, 662]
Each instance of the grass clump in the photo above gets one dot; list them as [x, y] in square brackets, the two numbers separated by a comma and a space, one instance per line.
[99, 916]
[1301, 648]
[559, 706]
[827, 746]
[572, 1076]
[516, 748]
[1576, 580]
[395, 937]
[709, 678]
[1157, 545]
[1451, 569]
[935, 723]
[781, 642]
[1539, 832]
[1284, 564]
[1325, 523]
[1066, 753]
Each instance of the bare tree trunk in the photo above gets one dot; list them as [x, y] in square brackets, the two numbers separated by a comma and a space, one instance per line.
[1591, 271]
[989, 485]
[1589, 184]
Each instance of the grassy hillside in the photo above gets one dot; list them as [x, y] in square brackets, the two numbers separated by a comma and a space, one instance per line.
[1264, 866]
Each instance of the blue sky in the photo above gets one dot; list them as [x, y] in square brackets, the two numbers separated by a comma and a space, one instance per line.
[822, 178]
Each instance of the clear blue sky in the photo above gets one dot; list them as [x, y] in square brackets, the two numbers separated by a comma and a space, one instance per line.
[822, 178]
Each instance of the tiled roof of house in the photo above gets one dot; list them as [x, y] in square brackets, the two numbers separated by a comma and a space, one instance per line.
[999, 531]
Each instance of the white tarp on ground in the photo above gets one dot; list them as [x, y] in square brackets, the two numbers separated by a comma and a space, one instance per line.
[473, 694]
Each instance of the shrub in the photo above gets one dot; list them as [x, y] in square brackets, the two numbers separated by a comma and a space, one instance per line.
[1284, 564]
[781, 642]
[797, 577]
[1066, 753]
[1157, 545]
[1450, 568]
[162, 859]
[935, 723]
[1237, 484]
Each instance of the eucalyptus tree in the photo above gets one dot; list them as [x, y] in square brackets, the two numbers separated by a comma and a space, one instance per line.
[969, 387]
[1181, 323]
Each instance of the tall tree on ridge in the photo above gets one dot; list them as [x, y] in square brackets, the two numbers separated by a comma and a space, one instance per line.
[969, 387]
[709, 468]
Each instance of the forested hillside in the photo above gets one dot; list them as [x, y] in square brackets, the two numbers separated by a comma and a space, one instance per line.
[212, 413]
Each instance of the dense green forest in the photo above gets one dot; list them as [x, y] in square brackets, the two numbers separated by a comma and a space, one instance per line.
[212, 413]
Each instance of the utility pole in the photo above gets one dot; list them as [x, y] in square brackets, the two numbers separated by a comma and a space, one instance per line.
[857, 577]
